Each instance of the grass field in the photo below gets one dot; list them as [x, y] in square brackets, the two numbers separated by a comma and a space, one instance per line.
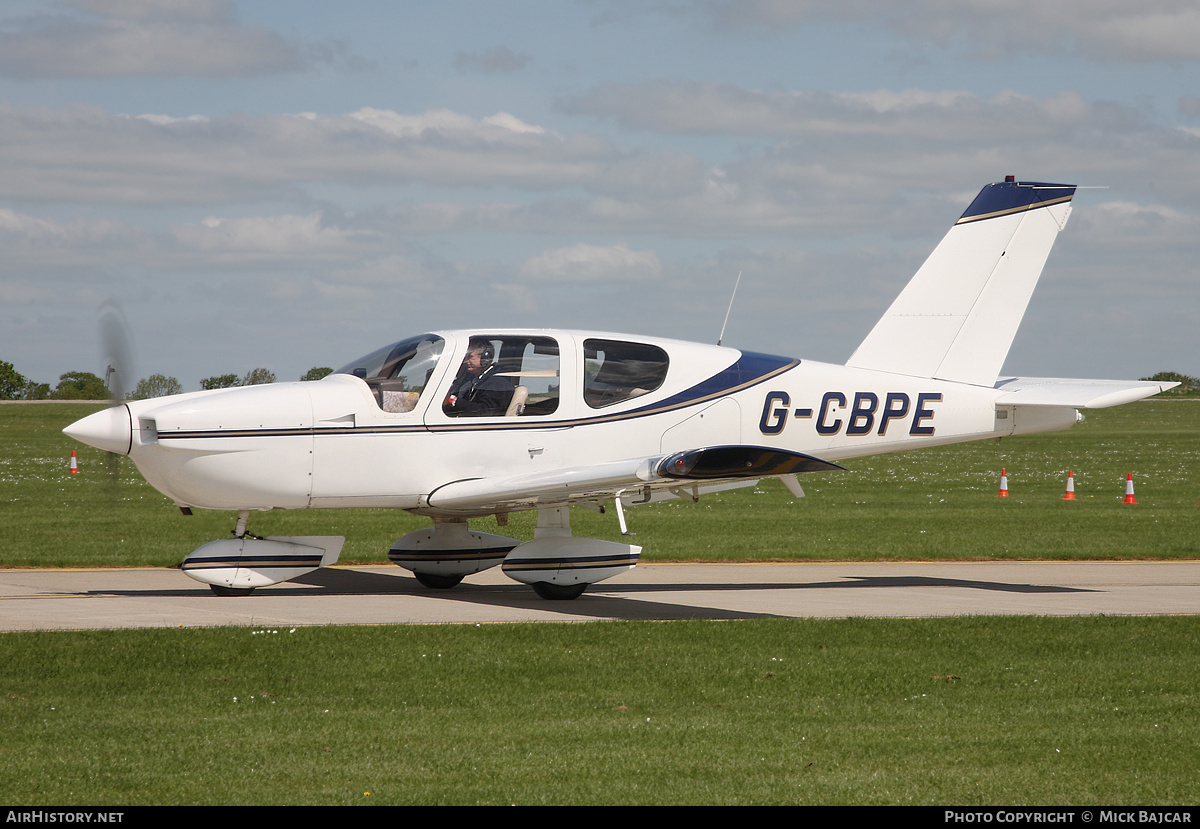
[931, 504]
[966, 711]
[971, 711]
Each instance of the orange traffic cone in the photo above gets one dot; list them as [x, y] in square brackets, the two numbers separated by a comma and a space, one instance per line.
[1003, 493]
[1129, 499]
[74, 464]
[1070, 496]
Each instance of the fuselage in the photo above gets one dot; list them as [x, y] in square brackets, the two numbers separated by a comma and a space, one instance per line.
[392, 436]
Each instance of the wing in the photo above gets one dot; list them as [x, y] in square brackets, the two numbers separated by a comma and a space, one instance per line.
[1079, 394]
[693, 471]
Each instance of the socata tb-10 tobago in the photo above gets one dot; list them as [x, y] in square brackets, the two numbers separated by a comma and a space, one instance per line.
[460, 424]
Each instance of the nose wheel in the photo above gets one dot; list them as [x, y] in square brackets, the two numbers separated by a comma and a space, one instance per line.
[237, 566]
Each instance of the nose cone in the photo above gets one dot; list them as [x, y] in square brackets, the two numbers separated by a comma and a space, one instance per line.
[110, 430]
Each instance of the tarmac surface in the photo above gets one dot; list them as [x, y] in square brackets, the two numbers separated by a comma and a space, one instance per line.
[82, 599]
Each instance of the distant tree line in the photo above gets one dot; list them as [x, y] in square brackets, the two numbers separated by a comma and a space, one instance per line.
[82, 385]
[254, 377]
[74, 385]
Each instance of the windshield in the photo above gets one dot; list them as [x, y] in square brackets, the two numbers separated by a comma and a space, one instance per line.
[397, 374]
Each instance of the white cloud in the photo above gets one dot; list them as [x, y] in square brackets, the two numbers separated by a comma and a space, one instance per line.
[141, 38]
[495, 61]
[200, 10]
[1128, 231]
[714, 108]
[165, 120]
[825, 163]
[271, 242]
[830, 162]
[271, 237]
[512, 123]
[25, 238]
[82, 154]
[593, 264]
[500, 126]
[1142, 31]
[17, 227]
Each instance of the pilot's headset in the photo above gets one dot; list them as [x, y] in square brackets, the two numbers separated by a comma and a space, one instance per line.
[487, 352]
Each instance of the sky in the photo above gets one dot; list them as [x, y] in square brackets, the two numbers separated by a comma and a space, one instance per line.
[296, 183]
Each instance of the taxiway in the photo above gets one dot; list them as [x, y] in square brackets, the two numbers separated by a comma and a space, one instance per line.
[79, 599]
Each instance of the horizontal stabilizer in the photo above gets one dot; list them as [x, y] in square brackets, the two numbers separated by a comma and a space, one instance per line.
[957, 317]
[1079, 394]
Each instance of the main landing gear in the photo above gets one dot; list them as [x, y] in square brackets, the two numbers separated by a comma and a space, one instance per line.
[222, 590]
[555, 592]
[435, 581]
[555, 564]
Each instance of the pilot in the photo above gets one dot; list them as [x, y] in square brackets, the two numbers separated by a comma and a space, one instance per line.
[477, 390]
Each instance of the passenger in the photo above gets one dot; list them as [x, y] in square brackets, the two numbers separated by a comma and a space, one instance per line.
[477, 391]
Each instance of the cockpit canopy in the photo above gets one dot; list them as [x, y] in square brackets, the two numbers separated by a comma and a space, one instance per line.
[511, 374]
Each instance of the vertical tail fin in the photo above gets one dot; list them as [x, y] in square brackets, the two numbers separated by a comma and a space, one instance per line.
[956, 319]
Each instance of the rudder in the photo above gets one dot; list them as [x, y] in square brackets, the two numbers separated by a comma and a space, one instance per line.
[957, 317]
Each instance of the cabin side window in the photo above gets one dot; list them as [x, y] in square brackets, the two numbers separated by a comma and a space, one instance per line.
[506, 376]
[615, 371]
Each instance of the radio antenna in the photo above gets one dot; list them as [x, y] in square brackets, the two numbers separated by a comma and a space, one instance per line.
[721, 336]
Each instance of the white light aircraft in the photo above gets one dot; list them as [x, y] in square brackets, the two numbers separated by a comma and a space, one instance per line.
[460, 424]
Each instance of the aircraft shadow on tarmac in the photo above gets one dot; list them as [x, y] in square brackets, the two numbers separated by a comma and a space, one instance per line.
[612, 600]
